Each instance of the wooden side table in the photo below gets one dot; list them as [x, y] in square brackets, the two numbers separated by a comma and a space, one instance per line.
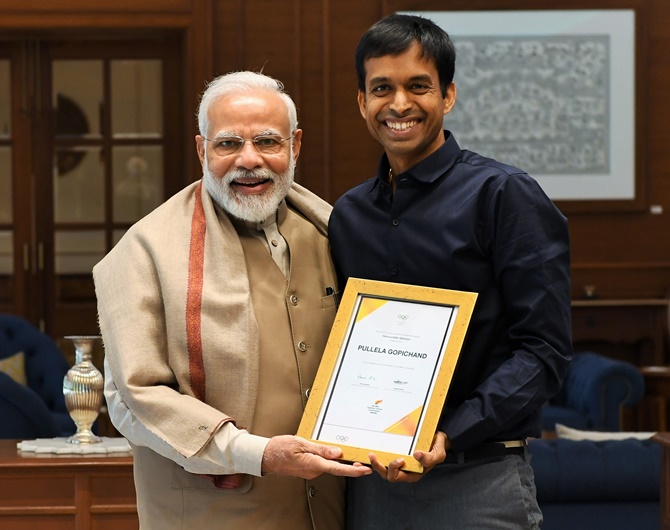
[657, 386]
[642, 322]
[663, 438]
[65, 492]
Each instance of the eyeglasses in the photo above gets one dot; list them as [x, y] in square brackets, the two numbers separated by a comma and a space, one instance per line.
[265, 144]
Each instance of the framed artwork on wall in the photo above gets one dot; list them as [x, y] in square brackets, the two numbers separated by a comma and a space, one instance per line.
[555, 93]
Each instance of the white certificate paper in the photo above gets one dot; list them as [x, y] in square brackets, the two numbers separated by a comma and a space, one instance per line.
[386, 370]
[386, 374]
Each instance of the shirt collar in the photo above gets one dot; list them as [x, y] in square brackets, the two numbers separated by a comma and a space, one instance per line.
[430, 168]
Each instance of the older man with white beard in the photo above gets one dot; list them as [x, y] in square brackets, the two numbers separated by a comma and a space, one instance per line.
[215, 310]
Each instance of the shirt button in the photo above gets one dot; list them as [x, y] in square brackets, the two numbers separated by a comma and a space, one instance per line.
[274, 243]
[302, 346]
[394, 271]
[395, 222]
[312, 491]
[293, 299]
[307, 392]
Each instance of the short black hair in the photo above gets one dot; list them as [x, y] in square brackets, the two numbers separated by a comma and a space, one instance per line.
[394, 34]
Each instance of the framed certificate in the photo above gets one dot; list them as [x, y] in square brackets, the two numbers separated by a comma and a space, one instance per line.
[386, 370]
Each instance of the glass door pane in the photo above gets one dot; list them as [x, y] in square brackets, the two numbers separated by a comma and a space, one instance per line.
[137, 98]
[79, 185]
[78, 180]
[79, 173]
[78, 251]
[137, 138]
[137, 177]
[77, 98]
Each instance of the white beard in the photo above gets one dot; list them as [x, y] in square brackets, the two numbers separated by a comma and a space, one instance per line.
[253, 208]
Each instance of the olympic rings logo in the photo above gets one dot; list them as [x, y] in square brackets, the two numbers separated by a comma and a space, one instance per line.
[403, 317]
[341, 438]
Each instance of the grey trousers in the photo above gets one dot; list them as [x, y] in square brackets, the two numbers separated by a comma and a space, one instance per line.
[495, 494]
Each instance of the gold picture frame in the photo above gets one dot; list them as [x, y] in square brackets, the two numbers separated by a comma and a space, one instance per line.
[386, 370]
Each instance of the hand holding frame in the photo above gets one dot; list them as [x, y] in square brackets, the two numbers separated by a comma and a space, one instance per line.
[394, 473]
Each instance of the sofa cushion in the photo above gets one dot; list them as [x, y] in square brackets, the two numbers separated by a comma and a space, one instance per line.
[15, 367]
[575, 434]
[588, 471]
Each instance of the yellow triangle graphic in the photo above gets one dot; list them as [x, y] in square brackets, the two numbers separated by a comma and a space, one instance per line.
[406, 426]
[368, 305]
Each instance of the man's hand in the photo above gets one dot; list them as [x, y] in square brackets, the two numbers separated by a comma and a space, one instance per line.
[394, 473]
[295, 456]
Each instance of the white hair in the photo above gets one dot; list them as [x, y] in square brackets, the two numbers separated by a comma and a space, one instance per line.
[241, 82]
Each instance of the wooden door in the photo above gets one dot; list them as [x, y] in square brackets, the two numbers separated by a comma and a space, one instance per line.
[89, 144]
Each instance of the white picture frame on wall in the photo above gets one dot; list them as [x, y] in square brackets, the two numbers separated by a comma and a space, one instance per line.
[549, 91]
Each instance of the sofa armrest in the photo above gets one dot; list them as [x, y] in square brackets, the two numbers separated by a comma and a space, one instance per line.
[599, 386]
[23, 414]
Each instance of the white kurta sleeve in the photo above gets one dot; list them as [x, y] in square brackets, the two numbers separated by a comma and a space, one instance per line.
[230, 451]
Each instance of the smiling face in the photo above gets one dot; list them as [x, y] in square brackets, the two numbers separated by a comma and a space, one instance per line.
[403, 106]
[249, 184]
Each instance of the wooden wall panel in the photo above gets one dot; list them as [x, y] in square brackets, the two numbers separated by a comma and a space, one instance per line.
[312, 91]
[309, 46]
[227, 24]
[620, 280]
[354, 153]
[100, 6]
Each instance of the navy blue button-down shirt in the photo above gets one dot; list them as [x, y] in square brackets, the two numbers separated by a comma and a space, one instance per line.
[460, 221]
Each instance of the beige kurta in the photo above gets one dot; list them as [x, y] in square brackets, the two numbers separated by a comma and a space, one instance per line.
[291, 344]
[291, 319]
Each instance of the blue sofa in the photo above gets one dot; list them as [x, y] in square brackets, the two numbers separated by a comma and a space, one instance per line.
[23, 414]
[593, 393]
[587, 485]
[45, 368]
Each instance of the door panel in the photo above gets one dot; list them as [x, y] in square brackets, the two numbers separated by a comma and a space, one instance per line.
[6, 206]
[92, 133]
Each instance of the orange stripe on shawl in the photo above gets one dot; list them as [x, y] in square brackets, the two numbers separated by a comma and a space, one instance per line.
[196, 264]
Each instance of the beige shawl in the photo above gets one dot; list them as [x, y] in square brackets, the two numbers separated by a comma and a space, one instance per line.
[176, 318]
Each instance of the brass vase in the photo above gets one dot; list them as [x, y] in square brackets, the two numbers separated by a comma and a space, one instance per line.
[83, 390]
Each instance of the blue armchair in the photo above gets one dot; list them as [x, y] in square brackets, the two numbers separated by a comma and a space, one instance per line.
[45, 368]
[593, 394]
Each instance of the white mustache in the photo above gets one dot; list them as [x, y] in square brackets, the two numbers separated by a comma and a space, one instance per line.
[260, 174]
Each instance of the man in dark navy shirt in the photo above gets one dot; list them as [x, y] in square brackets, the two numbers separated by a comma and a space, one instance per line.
[440, 216]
